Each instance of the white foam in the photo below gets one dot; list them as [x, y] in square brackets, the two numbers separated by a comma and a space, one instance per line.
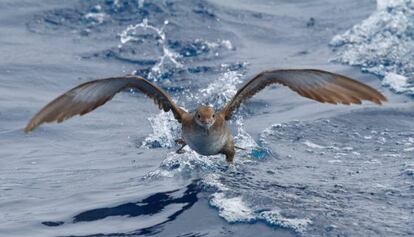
[235, 209]
[269, 131]
[397, 83]
[409, 172]
[243, 139]
[409, 149]
[313, 145]
[98, 17]
[232, 209]
[213, 180]
[227, 44]
[274, 217]
[165, 130]
[141, 3]
[188, 163]
[220, 43]
[408, 169]
[382, 44]
[222, 89]
[383, 4]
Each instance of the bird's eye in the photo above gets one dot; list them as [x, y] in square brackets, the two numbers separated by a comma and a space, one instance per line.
[214, 115]
[198, 116]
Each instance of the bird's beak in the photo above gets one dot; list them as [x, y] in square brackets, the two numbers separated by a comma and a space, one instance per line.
[207, 125]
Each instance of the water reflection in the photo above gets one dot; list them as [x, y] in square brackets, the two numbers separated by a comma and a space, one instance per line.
[148, 206]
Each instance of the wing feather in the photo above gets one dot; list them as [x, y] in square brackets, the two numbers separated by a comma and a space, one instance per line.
[90, 95]
[317, 85]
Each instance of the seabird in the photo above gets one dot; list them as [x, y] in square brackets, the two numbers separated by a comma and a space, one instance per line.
[205, 130]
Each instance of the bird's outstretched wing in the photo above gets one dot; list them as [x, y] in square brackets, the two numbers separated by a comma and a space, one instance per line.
[90, 95]
[318, 85]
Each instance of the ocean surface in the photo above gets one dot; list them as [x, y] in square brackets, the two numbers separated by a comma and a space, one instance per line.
[309, 169]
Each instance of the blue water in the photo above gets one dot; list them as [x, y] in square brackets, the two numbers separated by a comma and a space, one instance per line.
[309, 169]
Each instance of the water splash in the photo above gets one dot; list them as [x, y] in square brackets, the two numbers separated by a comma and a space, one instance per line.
[188, 164]
[382, 44]
[218, 94]
[130, 35]
[250, 147]
[165, 129]
[220, 91]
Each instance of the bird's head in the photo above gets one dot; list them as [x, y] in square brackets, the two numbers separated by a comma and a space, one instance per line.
[205, 116]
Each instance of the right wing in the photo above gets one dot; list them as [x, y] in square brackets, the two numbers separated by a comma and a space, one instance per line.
[90, 95]
[318, 85]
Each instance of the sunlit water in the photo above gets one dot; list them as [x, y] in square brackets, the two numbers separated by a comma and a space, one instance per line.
[307, 169]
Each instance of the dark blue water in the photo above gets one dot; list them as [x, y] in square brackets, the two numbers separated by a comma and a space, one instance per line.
[308, 169]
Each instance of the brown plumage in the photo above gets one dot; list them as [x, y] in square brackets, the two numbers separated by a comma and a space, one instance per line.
[322, 86]
[205, 130]
[90, 95]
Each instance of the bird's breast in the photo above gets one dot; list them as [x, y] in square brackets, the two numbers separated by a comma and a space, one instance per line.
[206, 142]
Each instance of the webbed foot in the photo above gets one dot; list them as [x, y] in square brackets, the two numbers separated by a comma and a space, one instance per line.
[182, 143]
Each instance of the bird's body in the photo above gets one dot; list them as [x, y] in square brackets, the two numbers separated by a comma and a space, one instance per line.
[206, 141]
[205, 130]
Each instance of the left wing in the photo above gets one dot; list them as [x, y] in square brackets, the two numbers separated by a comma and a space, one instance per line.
[90, 95]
